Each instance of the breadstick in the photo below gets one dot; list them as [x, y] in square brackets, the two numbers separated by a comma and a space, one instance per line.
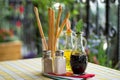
[63, 24]
[53, 32]
[57, 24]
[49, 29]
[40, 28]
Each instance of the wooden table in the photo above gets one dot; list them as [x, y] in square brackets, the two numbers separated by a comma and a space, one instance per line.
[30, 69]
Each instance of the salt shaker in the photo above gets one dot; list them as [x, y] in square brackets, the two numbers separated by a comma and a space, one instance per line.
[59, 63]
[47, 62]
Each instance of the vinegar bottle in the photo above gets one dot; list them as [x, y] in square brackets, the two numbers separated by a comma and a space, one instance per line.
[78, 59]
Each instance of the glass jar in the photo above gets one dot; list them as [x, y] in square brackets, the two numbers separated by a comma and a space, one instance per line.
[78, 59]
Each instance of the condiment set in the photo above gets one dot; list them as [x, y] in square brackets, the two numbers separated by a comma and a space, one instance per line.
[77, 59]
[72, 58]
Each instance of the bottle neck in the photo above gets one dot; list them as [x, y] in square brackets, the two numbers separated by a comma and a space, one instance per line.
[69, 41]
[79, 44]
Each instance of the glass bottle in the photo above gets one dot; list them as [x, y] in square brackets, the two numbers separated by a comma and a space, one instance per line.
[68, 48]
[78, 59]
[59, 62]
[47, 61]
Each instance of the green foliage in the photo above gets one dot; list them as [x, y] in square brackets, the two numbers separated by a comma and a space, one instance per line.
[101, 56]
[6, 28]
[79, 26]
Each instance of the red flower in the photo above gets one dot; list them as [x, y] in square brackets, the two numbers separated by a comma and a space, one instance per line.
[18, 24]
[21, 9]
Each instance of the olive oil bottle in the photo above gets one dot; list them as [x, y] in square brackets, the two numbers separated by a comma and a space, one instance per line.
[68, 48]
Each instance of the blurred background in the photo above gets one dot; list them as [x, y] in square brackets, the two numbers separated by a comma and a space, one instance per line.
[19, 34]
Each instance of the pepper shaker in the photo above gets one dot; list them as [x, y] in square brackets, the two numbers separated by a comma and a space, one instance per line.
[47, 61]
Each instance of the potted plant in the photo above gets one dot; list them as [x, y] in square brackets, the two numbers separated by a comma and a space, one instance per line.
[10, 47]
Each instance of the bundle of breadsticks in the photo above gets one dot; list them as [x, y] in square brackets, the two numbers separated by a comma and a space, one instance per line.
[54, 29]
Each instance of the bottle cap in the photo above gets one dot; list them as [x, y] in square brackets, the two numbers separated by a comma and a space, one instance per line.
[59, 53]
[46, 53]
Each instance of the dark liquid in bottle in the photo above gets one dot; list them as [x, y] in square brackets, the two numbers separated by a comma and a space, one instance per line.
[78, 63]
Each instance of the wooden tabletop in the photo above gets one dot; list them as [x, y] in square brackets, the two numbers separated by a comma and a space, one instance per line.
[30, 69]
